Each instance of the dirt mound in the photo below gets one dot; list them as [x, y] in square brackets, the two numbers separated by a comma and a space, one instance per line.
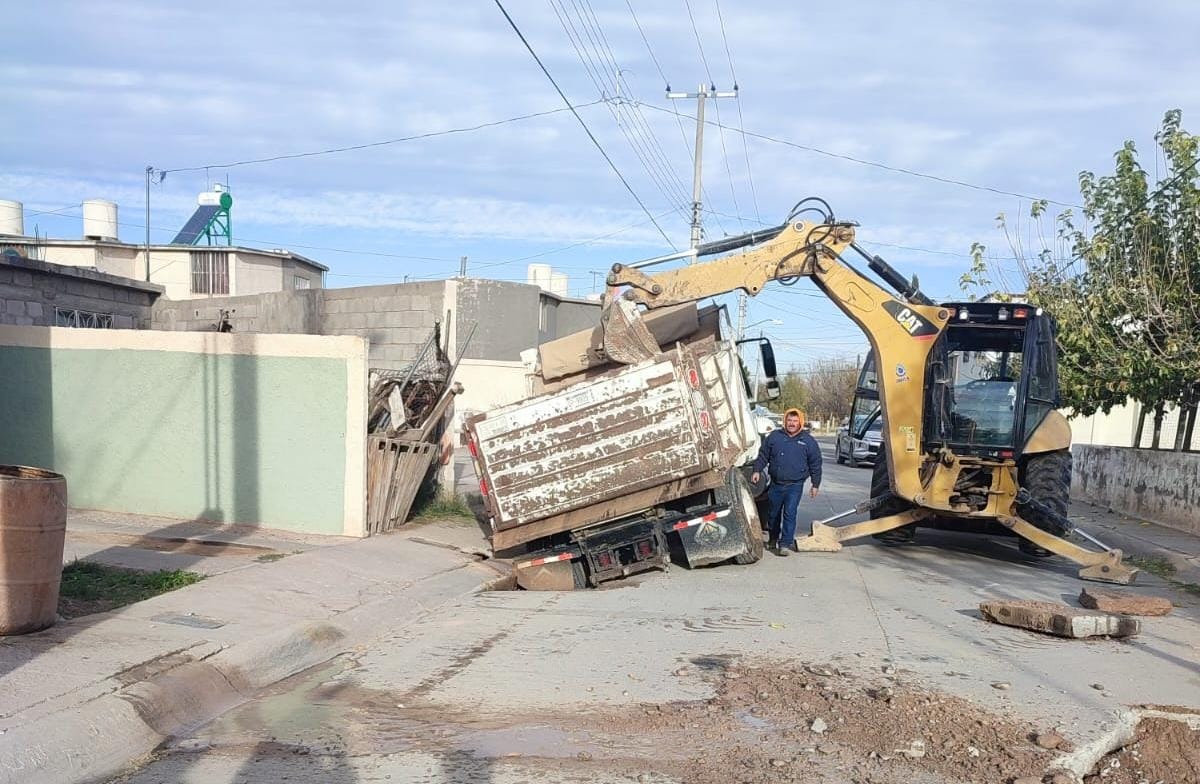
[1162, 750]
[816, 722]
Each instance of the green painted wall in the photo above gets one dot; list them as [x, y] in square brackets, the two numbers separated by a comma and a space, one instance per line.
[234, 438]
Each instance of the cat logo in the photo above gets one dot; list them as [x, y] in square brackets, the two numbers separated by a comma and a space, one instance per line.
[913, 323]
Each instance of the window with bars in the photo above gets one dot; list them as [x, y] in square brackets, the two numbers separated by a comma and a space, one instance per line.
[301, 282]
[210, 272]
[86, 319]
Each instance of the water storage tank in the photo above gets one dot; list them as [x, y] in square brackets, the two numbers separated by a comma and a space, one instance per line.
[99, 220]
[12, 217]
[539, 275]
[558, 283]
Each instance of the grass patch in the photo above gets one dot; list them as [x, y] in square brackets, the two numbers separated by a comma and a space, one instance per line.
[1162, 567]
[441, 506]
[89, 587]
[1154, 564]
[269, 557]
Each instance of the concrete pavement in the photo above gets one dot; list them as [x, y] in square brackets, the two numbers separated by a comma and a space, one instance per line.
[500, 687]
[84, 698]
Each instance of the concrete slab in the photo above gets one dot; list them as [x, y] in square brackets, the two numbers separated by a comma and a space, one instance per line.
[1058, 619]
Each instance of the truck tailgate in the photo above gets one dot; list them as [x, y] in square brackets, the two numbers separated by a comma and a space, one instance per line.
[593, 441]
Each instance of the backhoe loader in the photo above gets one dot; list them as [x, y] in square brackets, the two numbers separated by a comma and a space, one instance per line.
[967, 391]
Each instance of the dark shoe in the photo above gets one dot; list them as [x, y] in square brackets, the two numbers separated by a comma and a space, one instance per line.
[903, 535]
[772, 544]
[794, 547]
[1029, 548]
[781, 552]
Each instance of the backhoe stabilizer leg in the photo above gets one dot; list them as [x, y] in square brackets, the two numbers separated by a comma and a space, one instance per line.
[1105, 567]
[828, 538]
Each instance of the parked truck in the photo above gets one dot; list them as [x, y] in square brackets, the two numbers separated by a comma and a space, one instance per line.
[612, 470]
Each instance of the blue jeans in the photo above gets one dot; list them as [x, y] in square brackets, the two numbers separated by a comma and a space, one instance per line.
[783, 500]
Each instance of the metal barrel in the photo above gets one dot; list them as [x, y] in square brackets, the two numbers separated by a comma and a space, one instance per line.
[33, 524]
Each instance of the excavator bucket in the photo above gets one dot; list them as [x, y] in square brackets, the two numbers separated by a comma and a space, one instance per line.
[626, 338]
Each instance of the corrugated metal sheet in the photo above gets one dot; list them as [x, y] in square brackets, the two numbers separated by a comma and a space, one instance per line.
[591, 442]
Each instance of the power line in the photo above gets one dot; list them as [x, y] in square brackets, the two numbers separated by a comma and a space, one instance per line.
[587, 130]
[611, 88]
[620, 81]
[741, 117]
[384, 143]
[886, 167]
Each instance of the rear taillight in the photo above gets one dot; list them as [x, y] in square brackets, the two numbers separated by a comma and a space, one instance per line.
[474, 449]
[644, 548]
[483, 487]
[694, 379]
[605, 560]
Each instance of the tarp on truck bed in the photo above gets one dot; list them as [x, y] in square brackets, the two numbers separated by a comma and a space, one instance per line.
[581, 351]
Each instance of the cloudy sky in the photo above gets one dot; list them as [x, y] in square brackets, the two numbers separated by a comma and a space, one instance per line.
[1015, 97]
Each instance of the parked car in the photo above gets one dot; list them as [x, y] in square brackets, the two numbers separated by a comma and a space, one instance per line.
[848, 449]
[766, 420]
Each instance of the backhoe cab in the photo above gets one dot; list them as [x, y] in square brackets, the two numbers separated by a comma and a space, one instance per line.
[967, 391]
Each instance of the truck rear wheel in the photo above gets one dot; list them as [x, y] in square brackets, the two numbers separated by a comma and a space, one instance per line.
[1047, 477]
[739, 497]
[881, 485]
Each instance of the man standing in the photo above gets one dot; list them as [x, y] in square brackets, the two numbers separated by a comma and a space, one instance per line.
[793, 456]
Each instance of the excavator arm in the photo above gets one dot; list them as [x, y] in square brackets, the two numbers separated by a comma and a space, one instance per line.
[902, 331]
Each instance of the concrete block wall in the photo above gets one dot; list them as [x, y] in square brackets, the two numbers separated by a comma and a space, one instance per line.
[1151, 484]
[395, 319]
[30, 290]
[279, 312]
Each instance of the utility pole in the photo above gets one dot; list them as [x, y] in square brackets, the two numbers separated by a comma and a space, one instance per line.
[149, 171]
[462, 267]
[701, 95]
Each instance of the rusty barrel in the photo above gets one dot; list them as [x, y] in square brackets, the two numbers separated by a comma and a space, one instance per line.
[33, 524]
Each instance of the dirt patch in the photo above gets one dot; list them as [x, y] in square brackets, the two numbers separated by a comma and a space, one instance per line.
[1162, 750]
[817, 722]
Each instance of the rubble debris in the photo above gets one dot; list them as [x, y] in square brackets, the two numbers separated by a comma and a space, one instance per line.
[1058, 619]
[1165, 748]
[1053, 741]
[407, 415]
[1124, 603]
[818, 726]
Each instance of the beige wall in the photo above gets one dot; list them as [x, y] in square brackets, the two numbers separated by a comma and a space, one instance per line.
[171, 268]
[254, 274]
[1115, 428]
[486, 385]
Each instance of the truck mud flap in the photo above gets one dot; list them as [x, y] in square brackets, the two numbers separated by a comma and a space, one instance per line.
[710, 539]
[551, 573]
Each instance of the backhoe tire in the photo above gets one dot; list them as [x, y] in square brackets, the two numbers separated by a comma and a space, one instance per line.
[739, 497]
[1047, 477]
[881, 485]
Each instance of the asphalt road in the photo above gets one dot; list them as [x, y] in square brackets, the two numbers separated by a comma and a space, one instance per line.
[495, 690]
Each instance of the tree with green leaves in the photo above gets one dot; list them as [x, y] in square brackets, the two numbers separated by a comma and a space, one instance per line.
[793, 393]
[1123, 281]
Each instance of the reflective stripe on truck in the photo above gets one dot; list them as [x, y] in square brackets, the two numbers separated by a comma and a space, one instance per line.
[708, 518]
[548, 559]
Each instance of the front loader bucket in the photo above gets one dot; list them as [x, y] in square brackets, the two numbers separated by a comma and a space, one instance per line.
[627, 339]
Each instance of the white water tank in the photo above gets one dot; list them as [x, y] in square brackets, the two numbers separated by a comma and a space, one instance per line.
[99, 220]
[559, 283]
[539, 275]
[12, 217]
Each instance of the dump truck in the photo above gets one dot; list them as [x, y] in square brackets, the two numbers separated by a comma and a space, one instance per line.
[609, 470]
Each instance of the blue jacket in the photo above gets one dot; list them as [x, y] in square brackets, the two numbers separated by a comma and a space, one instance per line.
[791, 458]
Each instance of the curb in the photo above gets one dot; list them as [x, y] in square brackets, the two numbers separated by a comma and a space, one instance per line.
[1187, 569]
[101, 737]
